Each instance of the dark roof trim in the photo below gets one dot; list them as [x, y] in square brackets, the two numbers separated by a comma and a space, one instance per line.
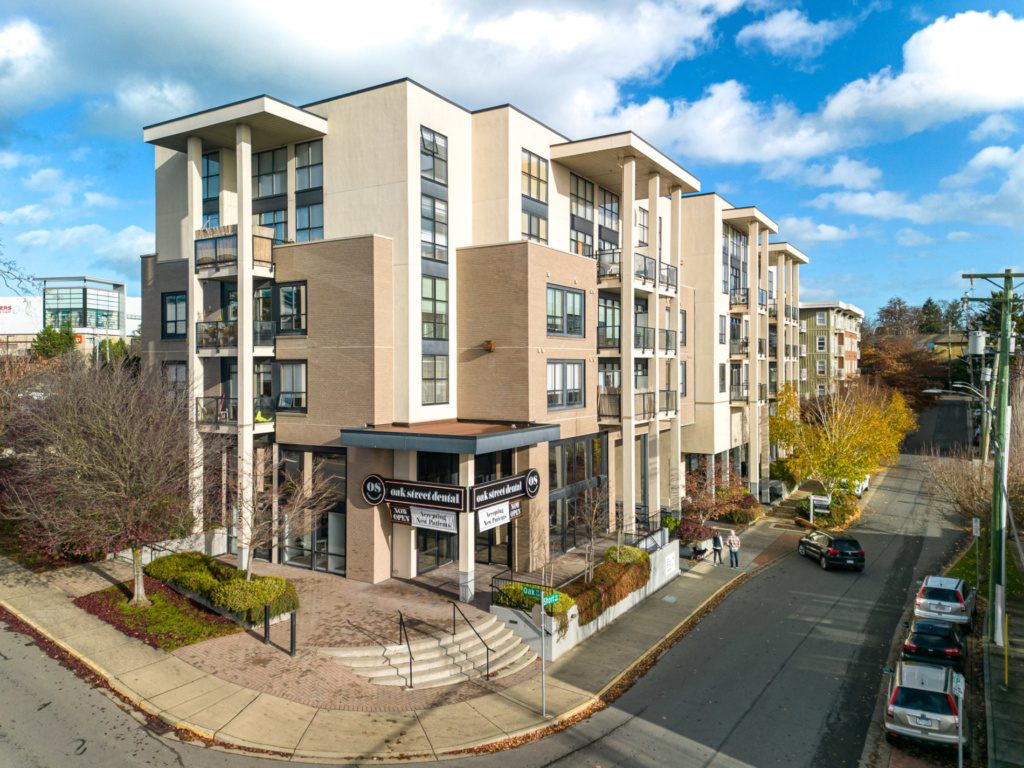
[225, 106]
[388, 84]
[476, 445]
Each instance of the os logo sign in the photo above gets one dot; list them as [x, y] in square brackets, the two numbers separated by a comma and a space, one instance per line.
[373, 490]
[532, 483]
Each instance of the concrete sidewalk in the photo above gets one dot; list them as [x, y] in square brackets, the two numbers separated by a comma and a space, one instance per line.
[186, 697]
[1004, 705]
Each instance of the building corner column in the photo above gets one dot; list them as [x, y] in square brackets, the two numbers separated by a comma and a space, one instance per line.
[194, 314]
[244, 335]
[627, 313]
[467, 532]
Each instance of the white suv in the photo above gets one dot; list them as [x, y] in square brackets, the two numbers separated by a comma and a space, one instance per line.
[944, 598]
[922, 706]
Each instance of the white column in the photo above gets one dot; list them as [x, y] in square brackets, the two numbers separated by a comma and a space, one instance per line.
[676, 481]
[194, 313]
[403, 537]
[628, 204]
[754, 362]
[654, 428]
[243, 181]
[467, 532]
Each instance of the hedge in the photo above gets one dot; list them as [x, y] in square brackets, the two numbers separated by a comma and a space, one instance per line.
[626, 554]
[612, 583]
[225, 587]
[511, 596]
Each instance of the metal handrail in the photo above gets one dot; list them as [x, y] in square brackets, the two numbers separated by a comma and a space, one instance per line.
[455, 607]
[403, 630]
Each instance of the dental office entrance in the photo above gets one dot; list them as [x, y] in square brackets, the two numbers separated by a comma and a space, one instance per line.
[455, 492]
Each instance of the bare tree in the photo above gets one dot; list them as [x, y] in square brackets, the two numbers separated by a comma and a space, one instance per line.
[592, 520]
[707, 498]
[100, 463]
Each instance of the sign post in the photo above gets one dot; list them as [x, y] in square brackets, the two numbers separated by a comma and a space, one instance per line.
[958, 691]
[543, 655]
[976, 530]
[818, 504]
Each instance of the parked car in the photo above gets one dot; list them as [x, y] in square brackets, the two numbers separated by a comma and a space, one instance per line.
[935, 641]
[861, 488]
[832, 550]
[941, 597]
[922, 706]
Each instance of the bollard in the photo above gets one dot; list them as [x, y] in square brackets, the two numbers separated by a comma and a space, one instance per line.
[292, 651]
[266, 624]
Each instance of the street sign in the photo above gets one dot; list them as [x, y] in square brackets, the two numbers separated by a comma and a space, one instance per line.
[958, 684]
[550, 599]
[976, 527]
[531, 591]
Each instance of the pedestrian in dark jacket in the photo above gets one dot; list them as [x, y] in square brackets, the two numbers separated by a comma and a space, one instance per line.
[716, 545]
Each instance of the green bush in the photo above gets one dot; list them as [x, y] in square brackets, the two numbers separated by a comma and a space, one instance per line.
[239, 596]
[743, 515]
[779, 470]
[626, 554]
[199, 582]
[612, 582]
[511, 596]
[671, 523]
[170, 566]
[803, 508]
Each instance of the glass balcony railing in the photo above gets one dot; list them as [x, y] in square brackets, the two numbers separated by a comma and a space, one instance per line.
[643, 404]
[667, 340]
[739, 297]
[609, 264]
[645, 268]
[609, 405]
[219, 410]
[667, 399]
[738, 392]
[608, 337]
[643, 337]
[668, 276]
[222, 251]
[762, 297]
[217, 334]
[739, 346]
[263, 333]
[773, 308]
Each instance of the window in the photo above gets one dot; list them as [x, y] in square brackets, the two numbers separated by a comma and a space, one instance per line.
[821, 390]
[176, 373]
[174, 316]
[535, 177]
[435, 307]
[211, 176]
[721, 329]
[293, 386]
[641, 227]
[268, 173]
[721, 377]
[211, 220]
[820, 318]
[433, 228]
[820, 367]
[819, 344]
[608, 211]
[682, 327]
[734, 258]
[275, 220]
[565, 384]
[309, 223]
[581, 197]
[535, 228]
[433, 156]
[581, 243]
[435, 379]
[309, 165]
[565, 311]
[609, 375]
[682, 378]
[291, 312]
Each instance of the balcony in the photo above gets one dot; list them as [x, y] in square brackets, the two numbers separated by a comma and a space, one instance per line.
[668, 276]
[739, 297]
[773, 388]
[263, 333]
[216, 256]
[643, 405]
[739, 347]
[643, 338]
[803, 326]
[645, 268]
[609, 265]
[608, 337]
[609, 406]
[803, 350]
[773, 308]
[803, 374]
[217, 338]
[738, 393]
[762, 392]
[762, 347]
[667, 341]
[762, 298]
[667, 400]
[220, 414]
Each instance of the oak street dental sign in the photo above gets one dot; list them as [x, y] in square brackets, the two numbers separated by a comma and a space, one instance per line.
[488, 494]
[407, 492]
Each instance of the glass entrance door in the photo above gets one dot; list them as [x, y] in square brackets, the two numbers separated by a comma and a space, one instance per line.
[494, 547]
[434, 548]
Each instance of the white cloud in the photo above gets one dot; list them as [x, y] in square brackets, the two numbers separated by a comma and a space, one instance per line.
[799, 230]
[9, 160]
[139, 102]
[790, 33]
[997, 126]
[958, 235]
[99, 200]
[45, 180]
[25, 214]
[880, 205]
[118, 251]
[24, 61]
[844, 172]
[983, 163]
[912, 238]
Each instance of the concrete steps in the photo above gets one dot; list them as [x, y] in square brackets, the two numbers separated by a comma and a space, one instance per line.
[437, 661]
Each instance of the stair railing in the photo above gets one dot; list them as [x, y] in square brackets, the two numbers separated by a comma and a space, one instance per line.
[488, 648]
[404, 632]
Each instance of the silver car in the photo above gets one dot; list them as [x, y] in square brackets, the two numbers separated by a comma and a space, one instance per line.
[944, 598]
[922, 706]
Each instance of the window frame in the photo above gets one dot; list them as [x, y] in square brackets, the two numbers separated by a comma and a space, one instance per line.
[527, 220]
[280, 227]
[722, 329]
[534, 186]
[581, 197]
[431, 148]
[310, 232]
[275, 174]
[564, 293]
[433, 246]
[682, 378]
[581, 243]
[206, 176]
[820, 369]
[440, 329]
[303, 365]
[182, 320]
[279, 289]
[435, 379]
[608, 210]
[820, 344]
[563, 391]
[643, 227]
[178, 385]
[314, 170]
[722, 378]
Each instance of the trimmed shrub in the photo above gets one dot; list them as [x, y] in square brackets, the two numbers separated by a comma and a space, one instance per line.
[626, 554]
[779, 470]
[166, 568]
[199, 582]
[612, 582]
[671, 523]
[511, 596]
[690, 531]
[239, 596]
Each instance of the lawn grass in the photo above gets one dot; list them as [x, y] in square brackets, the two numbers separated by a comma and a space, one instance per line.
[964, 568]
[172, 621]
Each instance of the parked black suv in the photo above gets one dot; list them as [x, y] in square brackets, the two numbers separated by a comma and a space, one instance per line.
[936, 642]
[832, 551]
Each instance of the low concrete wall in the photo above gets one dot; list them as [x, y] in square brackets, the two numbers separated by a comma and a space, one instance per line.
[213, 543]
[664, 568]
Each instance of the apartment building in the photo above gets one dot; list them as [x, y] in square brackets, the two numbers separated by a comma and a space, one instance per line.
[745, 334]
[471, 323]
[829, 346]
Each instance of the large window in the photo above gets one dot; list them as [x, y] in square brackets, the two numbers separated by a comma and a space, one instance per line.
[435, 307]
[211, 176]
[433, 156]
[268, 173]
[535, 177]
[581, 197]
[309, 165]
[292, 396]
[291, 308]
[435, 379]
[535, 228]
[309, 222]
[820, 318]
[565, 384]
[608, 210]
[176, 373]
[433, 228]
[820, 364]
[581, 243]
[275, 220]
[641, 227]
[734, 258]
[175, 322]
[721, 377]
[721, 329]
[565, 311]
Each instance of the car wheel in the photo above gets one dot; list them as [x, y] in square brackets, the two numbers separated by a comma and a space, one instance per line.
[890, 738]
[801, 550]
[823, 562]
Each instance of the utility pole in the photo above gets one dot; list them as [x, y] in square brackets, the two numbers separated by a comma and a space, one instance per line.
[1001, 375]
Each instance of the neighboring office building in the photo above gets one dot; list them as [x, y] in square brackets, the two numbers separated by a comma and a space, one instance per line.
[829, 346]
[556, 328]
[745, 334]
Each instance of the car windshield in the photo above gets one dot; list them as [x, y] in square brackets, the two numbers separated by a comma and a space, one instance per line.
[925, 640]
[943, 595]
[846, 545]
[941, 628]
[935, 702]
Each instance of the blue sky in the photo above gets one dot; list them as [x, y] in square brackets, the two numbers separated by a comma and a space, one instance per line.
[887, 138]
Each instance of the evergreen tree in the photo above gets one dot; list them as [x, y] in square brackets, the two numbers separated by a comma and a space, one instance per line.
[930, 318]
[53, 342]
[989, 318]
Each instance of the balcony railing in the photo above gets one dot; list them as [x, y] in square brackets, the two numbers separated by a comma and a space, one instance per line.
[739, 346]
[773, 308]
[609, 264]
[609, 405]
[608, 337]
[738, 392]
[667, 339]
[643, 404]
[645, 268]
[803, 350]
[739, 297]
[762, 348]
[215, 252]
[668, 275]
[803, 374]
[667, 399]
[773, 388]
[803, 326]
[643, 337]
[217, 334]
[762, 391]
[762, 297]
[263, 333]
[220, 410]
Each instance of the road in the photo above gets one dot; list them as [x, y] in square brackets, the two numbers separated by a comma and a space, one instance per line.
[941, 428]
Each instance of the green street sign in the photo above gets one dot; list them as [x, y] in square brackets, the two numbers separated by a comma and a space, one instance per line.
[549, 599]
[531, 591]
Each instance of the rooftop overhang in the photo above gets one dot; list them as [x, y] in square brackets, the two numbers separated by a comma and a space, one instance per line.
[749, 215]
[451, 436]
[839, 306]
[599, 159]
[789, 251]
[273, 123]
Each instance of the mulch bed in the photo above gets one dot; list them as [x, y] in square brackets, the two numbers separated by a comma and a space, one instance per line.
[170, 623]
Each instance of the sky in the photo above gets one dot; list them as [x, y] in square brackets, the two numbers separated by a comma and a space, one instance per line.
[886, 138]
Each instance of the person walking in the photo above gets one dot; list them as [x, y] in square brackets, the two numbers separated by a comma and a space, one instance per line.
[716, 546]
[733, 543]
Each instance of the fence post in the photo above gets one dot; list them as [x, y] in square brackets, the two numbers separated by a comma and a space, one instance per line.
[266, 623]
[292, 650]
